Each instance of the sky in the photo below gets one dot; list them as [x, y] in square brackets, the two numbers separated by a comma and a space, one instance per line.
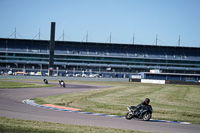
[123, 20]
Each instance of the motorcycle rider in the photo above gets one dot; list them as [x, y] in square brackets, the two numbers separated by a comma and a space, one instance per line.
[143, 104]
[45, 81]
[61, 82]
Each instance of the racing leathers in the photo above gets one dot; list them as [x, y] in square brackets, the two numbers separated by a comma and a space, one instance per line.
[139, 107]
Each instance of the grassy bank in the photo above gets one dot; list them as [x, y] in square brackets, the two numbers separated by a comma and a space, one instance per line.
[170, 102]
[12, 84]
[8, 125]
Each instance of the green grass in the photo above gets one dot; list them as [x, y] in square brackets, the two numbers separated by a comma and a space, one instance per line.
[12, 84]
[8, 125]
[170, 102]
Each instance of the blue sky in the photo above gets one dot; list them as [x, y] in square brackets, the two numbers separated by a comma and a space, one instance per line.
[122, 18]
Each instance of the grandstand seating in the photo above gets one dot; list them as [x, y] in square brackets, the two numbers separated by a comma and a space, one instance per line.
[122, 51]
[109, 52]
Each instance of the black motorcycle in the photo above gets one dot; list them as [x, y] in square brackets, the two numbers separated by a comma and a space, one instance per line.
[62, 83]
[45, 81]
[144, 112]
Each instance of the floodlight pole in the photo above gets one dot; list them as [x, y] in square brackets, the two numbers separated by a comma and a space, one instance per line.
[156, 40]
[110, 37]
[63, 35]
[15, 33]
[179, 41]
[87, 37]
[39, 34]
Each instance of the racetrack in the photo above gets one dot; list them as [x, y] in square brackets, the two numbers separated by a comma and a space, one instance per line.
[11, 106]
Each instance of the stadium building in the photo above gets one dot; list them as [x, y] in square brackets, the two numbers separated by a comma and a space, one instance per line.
[99, 58]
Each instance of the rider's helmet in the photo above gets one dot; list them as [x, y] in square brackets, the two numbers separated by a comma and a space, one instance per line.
[147, 101]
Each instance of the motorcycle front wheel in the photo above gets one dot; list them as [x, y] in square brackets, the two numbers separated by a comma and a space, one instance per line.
[128, 116]
[146, 116]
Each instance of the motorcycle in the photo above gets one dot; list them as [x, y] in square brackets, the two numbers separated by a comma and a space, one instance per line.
[143, 113]
[45, 81]
[62, 84]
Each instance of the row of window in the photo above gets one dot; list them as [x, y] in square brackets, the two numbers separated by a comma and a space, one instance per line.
[101, 60]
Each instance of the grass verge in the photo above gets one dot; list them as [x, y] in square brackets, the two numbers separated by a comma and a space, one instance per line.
[12, 84]
[8, 125]
[170, 102]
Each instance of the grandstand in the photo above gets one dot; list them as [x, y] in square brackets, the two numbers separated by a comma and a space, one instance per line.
[98, 57]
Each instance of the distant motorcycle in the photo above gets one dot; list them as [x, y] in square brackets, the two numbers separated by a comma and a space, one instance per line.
[143, 113]
[62, 83]
[45, 81]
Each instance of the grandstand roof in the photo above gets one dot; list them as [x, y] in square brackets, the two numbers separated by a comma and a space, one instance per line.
[97, 43]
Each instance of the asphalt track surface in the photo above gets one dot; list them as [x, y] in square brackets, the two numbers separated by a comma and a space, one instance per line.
[11, 106]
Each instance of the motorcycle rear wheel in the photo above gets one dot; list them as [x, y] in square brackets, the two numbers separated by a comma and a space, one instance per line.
[146, 116]
[128, 116]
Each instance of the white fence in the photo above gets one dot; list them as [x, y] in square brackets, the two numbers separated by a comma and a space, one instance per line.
[152, 81]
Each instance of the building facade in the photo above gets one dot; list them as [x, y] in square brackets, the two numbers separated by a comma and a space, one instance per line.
[98, 57]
